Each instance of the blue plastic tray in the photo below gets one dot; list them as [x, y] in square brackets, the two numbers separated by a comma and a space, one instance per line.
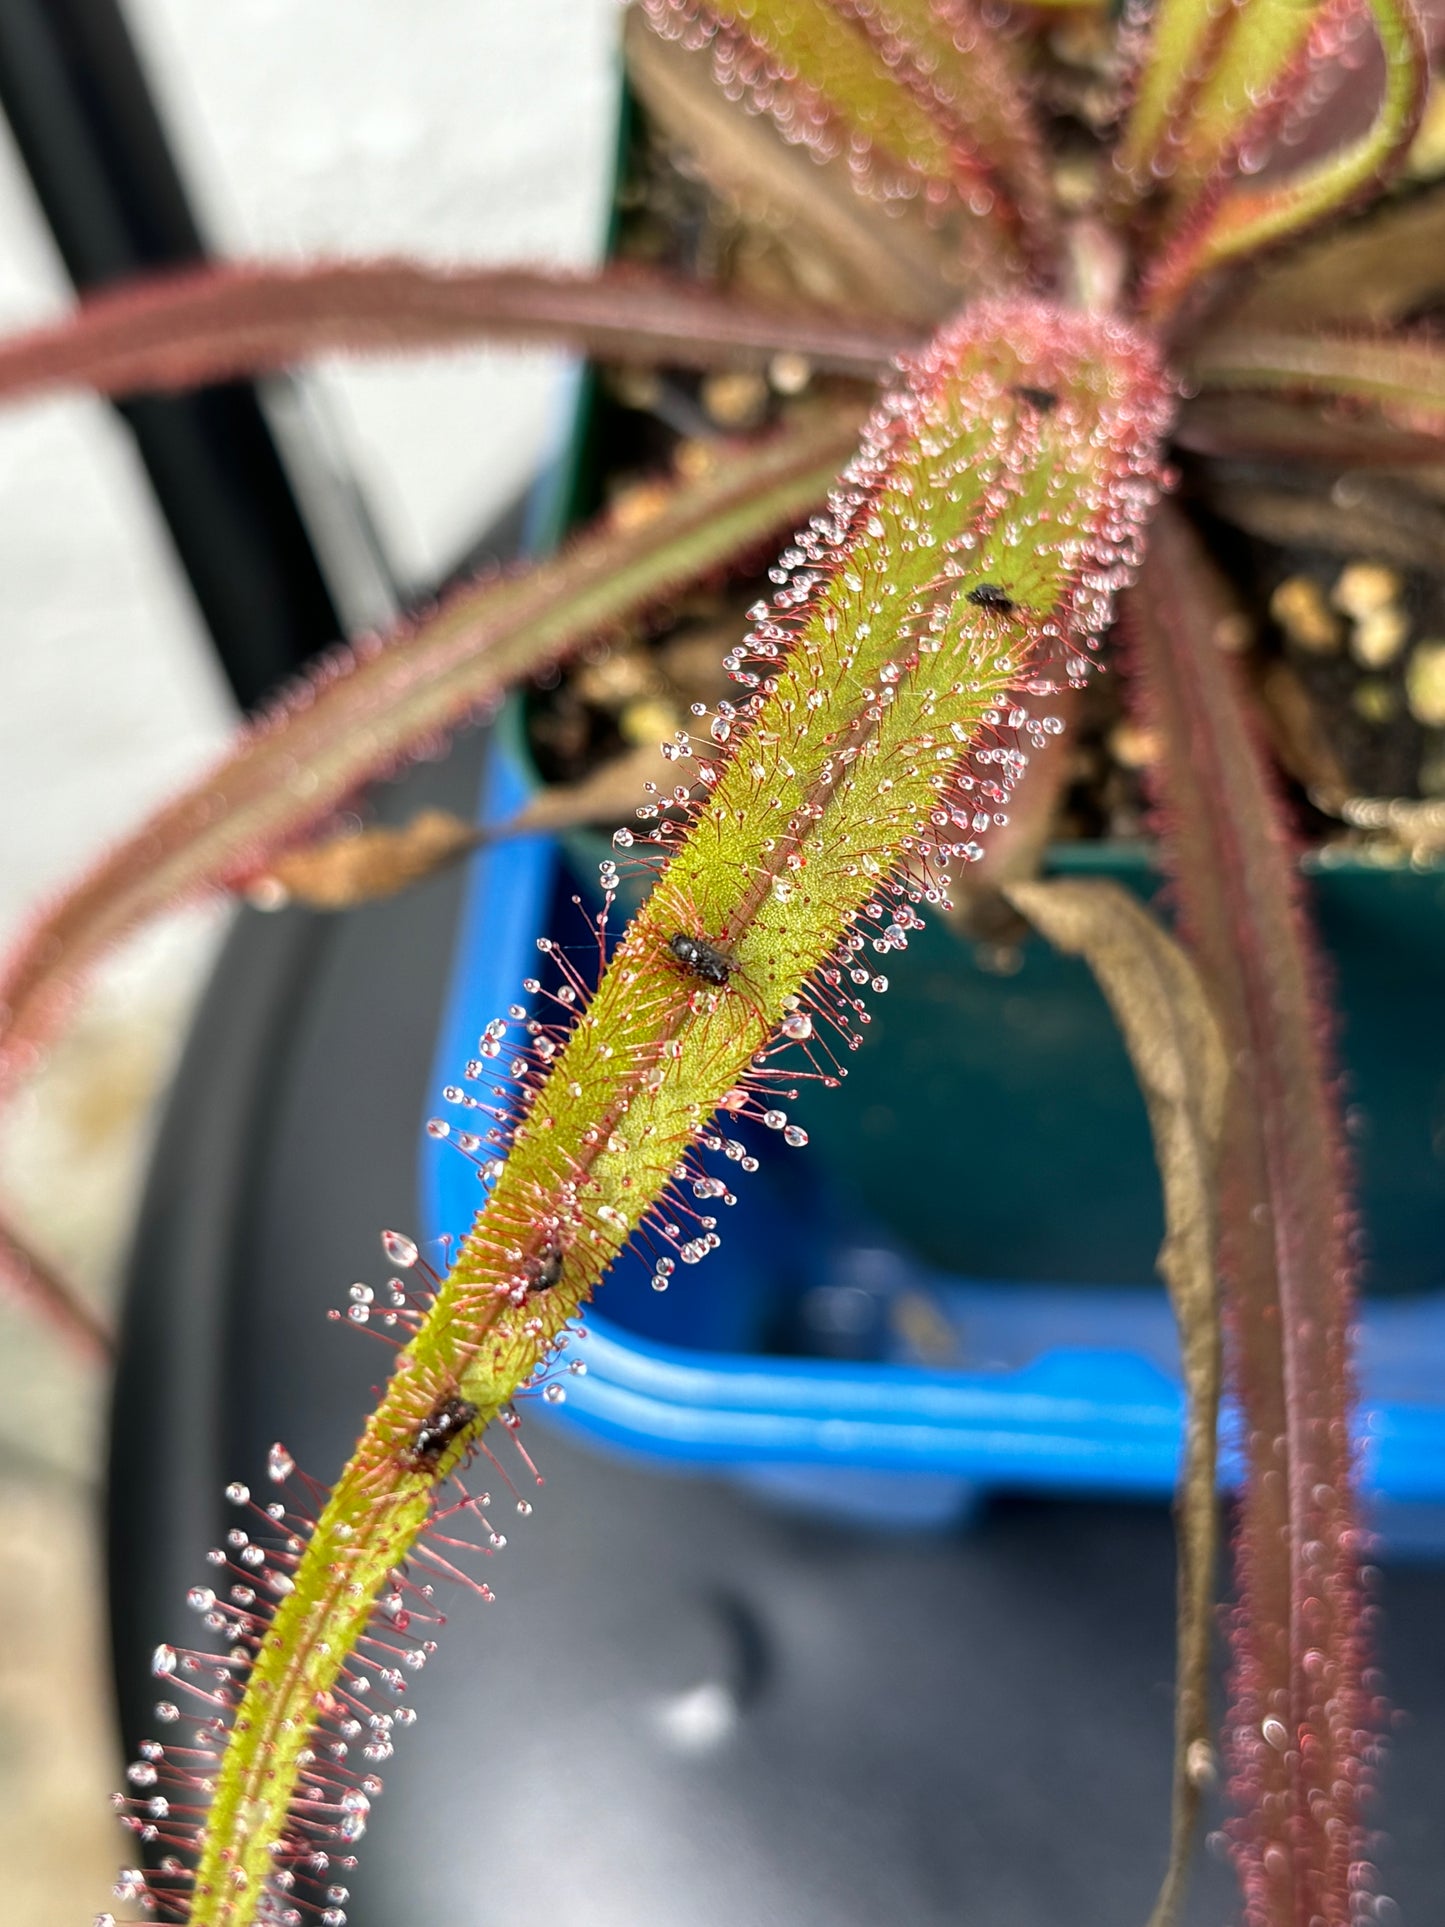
[1046, 1387]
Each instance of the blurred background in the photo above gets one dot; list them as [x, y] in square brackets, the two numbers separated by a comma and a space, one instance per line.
[454, 129]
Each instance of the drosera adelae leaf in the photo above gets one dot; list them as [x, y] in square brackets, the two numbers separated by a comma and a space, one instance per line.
[883, 712]
[954, 59]
[1208, 74]
[1300, 1734]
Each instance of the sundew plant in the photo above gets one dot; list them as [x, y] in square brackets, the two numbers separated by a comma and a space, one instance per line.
[1052, 290]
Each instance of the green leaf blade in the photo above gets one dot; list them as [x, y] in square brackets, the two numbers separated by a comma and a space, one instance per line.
[975, 539]
[1229, 224]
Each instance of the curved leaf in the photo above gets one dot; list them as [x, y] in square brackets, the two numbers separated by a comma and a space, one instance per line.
[207, 324]
[1234, 223]
[1162, 1009]
[1204, 74]
[368, 710]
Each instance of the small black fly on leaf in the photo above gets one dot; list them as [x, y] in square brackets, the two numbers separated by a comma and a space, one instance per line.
[441, 1426]
[988, 595]
[702, 959]
[1044, 399]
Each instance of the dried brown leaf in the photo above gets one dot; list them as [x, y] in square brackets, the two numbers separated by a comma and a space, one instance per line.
[363, 866]
[1163, 1013]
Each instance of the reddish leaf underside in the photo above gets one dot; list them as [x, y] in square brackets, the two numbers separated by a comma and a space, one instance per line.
[209, 324]
[368, 710]
[1299, 1733]
[1394, 384]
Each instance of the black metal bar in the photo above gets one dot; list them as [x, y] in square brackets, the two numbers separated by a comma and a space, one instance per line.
[76, 98]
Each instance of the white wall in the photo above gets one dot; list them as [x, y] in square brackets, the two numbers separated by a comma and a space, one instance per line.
[457, 129]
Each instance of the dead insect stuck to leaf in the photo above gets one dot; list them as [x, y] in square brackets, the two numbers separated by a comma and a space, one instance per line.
[442, 1426]
[702, 959]
[988, 595]
[546, 1267]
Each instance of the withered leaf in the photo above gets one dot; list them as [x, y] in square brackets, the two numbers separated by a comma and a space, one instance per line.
[363, 866]
[1159, 1003]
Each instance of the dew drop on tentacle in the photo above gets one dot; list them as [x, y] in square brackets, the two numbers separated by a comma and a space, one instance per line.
[400, 1250]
